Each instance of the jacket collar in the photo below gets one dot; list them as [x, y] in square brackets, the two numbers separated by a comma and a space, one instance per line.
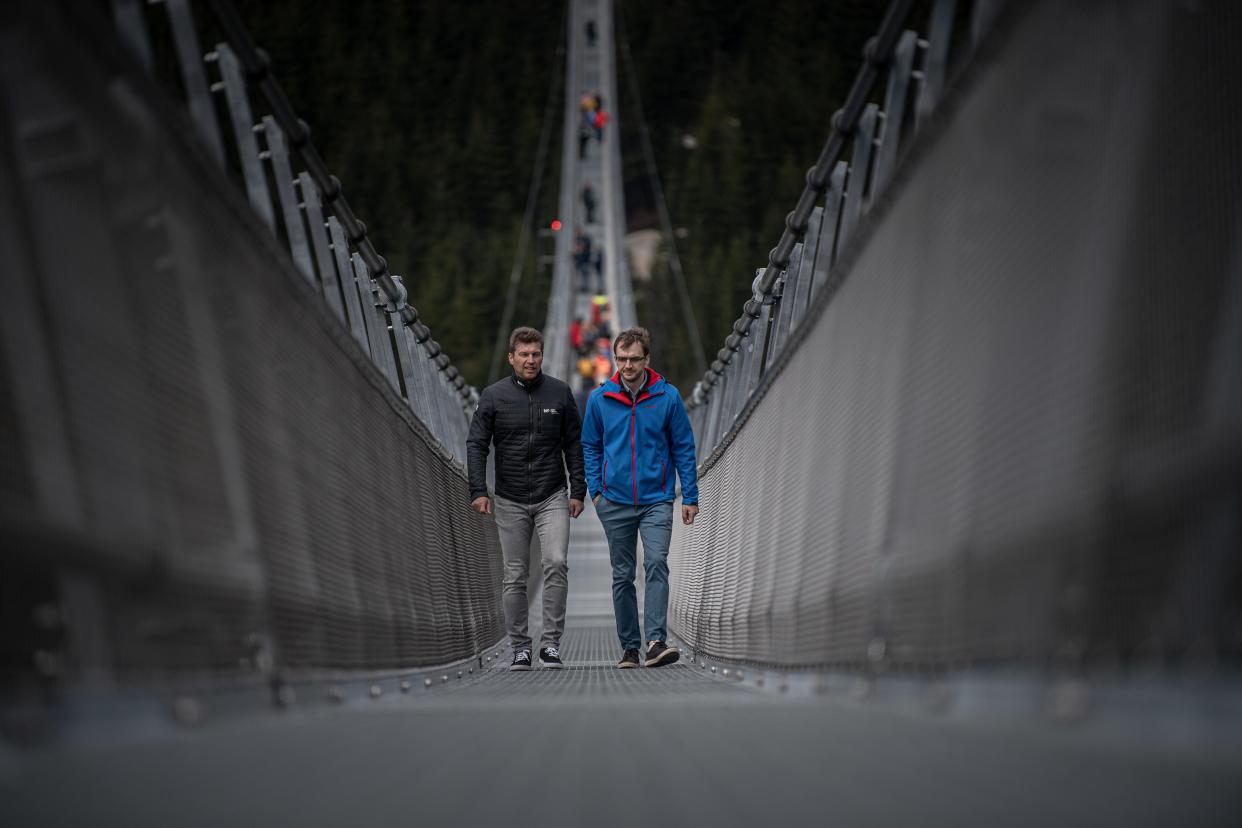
[615, 387]
[521, 383]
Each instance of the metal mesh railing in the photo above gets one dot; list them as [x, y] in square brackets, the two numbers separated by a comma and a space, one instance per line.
[991, 413]
[227, 90]
[224, 460]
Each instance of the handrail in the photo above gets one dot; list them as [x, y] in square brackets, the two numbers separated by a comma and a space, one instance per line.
[257, 67]
[878, 52]
[244, 65]
[802, 264]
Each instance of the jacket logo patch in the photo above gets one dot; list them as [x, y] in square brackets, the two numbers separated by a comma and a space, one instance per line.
[550, 411]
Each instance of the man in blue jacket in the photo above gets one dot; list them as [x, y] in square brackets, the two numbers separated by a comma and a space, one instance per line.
[634, 436]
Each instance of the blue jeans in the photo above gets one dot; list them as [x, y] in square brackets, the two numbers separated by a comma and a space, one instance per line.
[622, 526]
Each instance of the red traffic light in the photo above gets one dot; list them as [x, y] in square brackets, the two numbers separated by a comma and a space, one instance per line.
[556, 224]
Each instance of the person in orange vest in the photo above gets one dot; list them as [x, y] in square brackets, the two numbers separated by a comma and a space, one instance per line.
[602, 360]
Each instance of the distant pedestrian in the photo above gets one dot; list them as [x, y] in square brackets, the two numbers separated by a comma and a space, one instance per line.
[599, 122]
[586, 377]
[602, 361]
[585, 132]
[582, 259]
[591, 33]
[635, 433]
[597, 264]
[533, 421]
[588, 202]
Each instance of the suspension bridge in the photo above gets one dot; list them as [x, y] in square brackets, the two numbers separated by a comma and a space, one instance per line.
[969, 457]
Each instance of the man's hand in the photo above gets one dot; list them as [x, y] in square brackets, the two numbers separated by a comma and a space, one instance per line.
[575, 507]
[482, 505]
[689, 513]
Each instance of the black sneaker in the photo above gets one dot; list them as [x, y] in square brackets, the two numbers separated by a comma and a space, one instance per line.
[630, 659]
[550, 657]
[659, 654]
[521, 660]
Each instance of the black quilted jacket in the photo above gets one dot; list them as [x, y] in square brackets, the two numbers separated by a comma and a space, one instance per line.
[537, 433]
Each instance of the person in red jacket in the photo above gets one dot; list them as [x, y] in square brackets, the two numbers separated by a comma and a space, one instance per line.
[635, 437]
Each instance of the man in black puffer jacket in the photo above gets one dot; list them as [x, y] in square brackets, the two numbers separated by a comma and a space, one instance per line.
[533, 421]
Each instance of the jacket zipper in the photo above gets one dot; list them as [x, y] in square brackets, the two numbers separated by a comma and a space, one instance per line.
[530, 439]
[633, 455]
[605, 489]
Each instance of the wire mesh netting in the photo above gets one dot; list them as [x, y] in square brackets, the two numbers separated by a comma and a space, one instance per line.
[191, 424]
[1010, 428]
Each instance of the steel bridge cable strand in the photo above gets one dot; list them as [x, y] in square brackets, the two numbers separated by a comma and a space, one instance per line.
[653, 175]
[532, 198]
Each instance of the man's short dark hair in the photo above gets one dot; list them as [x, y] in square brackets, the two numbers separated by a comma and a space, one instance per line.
[629, 336]
[524, 336]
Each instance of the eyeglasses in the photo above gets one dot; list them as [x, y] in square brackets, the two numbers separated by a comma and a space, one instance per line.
[630, 360]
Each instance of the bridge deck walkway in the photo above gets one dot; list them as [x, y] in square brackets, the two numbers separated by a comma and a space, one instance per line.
[594, 745]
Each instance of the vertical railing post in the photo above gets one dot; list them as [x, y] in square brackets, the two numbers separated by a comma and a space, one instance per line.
[282, 174]
[894, 110]
[345, 272]
[715, 407]
[726, 398]
[935, 59]
[194, 77]
[759, 331]
[826, 254]
[737, 390]
[329, 282]
[238, 99]
[806, 276]
[860, 167]
[415, 383]
[785, 293]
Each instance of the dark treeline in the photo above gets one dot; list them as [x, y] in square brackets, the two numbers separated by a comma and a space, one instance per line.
[430, 114]
[738, 98]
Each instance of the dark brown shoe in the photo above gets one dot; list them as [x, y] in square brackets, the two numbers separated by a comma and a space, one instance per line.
[659, 654]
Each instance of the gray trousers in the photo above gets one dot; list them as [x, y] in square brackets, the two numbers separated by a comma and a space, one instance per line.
[515, 523]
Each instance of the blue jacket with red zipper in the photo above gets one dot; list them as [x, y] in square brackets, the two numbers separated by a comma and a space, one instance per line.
[632, 449]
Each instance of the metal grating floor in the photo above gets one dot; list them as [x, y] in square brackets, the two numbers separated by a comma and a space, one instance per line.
[589, 648]
[586, 745]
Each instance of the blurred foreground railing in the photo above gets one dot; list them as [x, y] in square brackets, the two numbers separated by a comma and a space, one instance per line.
[986, 410]
[219, 461]
[263, 142]
[838, 193]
